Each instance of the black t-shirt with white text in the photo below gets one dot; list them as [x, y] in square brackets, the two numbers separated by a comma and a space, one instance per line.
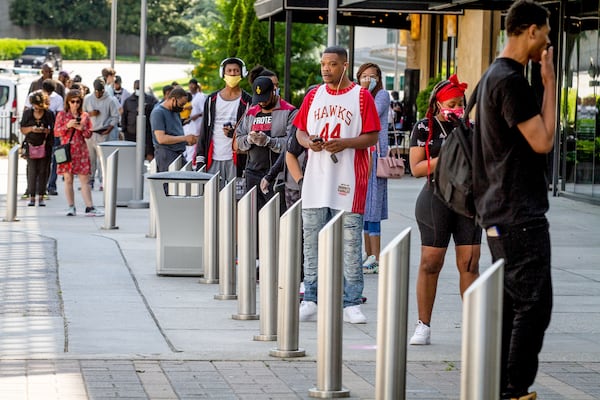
[260, 159]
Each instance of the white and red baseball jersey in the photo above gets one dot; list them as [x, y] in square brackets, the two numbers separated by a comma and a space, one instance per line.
[330, 114]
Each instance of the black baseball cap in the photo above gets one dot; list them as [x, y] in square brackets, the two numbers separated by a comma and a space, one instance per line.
[262, 89]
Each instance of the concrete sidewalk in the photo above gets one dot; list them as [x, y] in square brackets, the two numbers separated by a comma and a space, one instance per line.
[84, 315]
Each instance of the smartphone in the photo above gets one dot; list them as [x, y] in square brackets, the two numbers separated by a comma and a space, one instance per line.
[78, 119]
[317, 140]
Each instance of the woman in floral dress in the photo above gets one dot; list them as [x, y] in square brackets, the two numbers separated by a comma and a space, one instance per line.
[73, 125]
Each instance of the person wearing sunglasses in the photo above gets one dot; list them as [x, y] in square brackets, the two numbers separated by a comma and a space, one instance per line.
[73, 125]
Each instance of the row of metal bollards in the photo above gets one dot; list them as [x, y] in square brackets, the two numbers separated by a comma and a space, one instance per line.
[482, 307]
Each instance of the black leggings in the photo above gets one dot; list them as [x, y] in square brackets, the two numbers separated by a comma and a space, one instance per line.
[37, 176]
[437, 222]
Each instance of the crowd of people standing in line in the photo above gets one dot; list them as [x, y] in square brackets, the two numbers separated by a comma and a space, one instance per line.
[325, 153]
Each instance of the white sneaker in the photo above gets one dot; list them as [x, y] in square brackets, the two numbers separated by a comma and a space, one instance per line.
[301, 288]
[71, 212]
[369, 261]
[308, 311]
[93, 212]
[354, 315]
[422, 334]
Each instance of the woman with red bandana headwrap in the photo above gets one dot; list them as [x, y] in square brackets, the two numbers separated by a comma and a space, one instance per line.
[436, 221]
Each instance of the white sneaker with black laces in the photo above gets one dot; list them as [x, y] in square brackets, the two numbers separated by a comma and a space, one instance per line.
[308, 311]
[354, 315]
[422, 335]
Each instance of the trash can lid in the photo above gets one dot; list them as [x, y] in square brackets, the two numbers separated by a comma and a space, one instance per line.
[118, 143]
[182, 176]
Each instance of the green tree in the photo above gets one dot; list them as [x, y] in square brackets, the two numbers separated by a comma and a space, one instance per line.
[164, 18]
[67, 17]
[237, 17]
[211, 34]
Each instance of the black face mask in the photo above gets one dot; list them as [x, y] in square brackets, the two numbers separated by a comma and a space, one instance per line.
[176, 108]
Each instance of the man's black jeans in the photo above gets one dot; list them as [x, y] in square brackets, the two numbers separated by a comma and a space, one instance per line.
[527, 304]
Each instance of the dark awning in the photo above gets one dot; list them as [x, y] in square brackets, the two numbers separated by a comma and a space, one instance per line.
[374, 13]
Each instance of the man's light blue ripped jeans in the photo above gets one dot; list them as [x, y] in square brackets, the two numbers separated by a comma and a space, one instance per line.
[313, 220]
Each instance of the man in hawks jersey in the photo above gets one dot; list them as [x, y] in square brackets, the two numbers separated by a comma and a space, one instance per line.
[337, 122]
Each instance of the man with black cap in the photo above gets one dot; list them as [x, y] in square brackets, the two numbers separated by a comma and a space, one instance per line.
[263, 133]
[121, 93]
[104, 114]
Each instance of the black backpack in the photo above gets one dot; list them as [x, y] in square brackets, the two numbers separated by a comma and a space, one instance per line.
[453, 175]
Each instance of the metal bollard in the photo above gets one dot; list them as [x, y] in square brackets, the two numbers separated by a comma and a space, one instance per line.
[185, 189]
[110, 191]
[482, 335]
[392, 308]
[211, 233]
[173, 188]
[11, 192]
[227, 211]
[288, 283]
[246, 269]
[330, 308]
[152, 208]
[268, 232]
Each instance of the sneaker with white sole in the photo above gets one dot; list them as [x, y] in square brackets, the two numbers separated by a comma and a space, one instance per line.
[71, 212]
[354, 315]
[422, 335]
[308, 311]
[371, 269]
[369, 261]
[93, 212]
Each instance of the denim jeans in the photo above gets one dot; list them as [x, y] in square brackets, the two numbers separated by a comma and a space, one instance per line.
[53, 175]
[527, 305]
[313, 220]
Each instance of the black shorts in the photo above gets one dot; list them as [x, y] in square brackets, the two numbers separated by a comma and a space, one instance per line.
[437, 222]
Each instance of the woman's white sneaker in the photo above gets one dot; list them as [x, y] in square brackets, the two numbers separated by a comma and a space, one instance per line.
[308, 311]
[422, 334]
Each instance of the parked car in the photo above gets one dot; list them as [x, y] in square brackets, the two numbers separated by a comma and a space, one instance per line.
[8, 109]
[36, 56]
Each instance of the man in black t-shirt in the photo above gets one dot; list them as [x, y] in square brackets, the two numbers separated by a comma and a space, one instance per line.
[511, 191]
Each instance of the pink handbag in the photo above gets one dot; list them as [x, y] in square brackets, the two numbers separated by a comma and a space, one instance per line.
[390, 167]
[37, 152]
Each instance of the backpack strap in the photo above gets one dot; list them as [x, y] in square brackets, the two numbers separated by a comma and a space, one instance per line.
[471, 102]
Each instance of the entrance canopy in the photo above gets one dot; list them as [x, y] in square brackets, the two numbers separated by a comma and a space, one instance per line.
[374, 13]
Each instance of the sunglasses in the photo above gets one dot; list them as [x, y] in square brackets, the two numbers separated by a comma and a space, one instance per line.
[75, 101]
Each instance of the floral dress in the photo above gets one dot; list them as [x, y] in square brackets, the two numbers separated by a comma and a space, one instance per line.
[80, 157]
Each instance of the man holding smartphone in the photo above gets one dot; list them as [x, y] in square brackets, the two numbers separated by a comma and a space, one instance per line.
[263, 133]
[103, 110]
[337, 123]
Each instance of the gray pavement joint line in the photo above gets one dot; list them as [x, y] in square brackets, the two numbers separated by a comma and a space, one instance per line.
[571, 272]
[146, 303]
[60, 296]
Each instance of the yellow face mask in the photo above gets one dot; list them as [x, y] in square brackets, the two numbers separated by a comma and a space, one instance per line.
[232, 80]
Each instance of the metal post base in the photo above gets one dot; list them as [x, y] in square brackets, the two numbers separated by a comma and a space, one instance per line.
[137, 204]
[208, 281]
[225, 297]
[328, 394]
[265, 338]
[109, 227]
[244, 317]
[287, 353]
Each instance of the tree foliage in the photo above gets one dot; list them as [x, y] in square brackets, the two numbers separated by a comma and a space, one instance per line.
[67, 17]
[221, 31]
[164, 18]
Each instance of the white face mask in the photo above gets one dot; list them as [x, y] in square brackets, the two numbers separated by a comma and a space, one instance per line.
[137, 92]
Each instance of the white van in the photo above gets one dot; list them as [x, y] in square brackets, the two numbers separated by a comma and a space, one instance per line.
[9, 130]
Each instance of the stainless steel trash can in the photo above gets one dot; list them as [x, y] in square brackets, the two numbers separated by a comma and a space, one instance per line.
[126, 169]
[179, 223]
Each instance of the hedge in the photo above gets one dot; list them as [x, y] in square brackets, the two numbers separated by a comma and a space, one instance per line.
[71, 49]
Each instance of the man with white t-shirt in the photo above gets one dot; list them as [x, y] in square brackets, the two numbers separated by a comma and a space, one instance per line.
[337, 123]
[222, 110]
